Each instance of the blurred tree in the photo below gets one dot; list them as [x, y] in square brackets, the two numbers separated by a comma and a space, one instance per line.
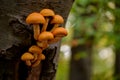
[85, 26]
[16, 37]
[117, 39]
[94, 20]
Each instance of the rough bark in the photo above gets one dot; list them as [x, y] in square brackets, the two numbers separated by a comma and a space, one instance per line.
[16, 37]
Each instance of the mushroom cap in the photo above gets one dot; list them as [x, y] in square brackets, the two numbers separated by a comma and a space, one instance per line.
[43, 44]
[35, 18]
[27, 56]
[60, 31]
[57, 19]
[35, 49]
[45, 36]
[41, 57]
[47, 12]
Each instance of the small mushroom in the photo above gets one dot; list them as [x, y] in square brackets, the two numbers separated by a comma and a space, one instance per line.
[43, 39]
[35, 19]
[42, 44]
[27, 57]
[44, 36]
[41, 57]
[57, 19]
[47, 13]
[37, 62]
[58, 34]
[35, 50]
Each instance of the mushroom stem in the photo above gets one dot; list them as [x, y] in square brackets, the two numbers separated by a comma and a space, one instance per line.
[37, 62]
[28, 63]
[36, 30]
[55, 26]
[35, 57]
[45, 25]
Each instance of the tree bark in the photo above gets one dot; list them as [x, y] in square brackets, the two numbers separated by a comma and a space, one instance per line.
[16, 37]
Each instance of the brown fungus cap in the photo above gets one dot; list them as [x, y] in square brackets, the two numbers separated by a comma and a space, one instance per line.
[60, 31]
[47, 12]
[41, 57]
[57, 19]
[27, 56]
[45, 36]
[35, 49]
[35, 18]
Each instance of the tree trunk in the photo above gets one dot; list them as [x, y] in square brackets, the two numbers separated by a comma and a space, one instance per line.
[81, 58]
[80, 66]
[16, 37]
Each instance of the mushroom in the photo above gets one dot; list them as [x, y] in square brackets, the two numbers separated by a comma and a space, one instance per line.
[27, 57]
[35, 50]
[58, 34]
[57, 19]
[47, 13]
[35, 19]
[43, 38]
[40, 57]
[36, 63]
[42, 44]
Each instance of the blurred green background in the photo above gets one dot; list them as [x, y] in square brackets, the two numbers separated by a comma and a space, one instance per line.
[92, 47]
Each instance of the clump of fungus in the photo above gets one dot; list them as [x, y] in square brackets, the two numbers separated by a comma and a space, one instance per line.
[43, 38]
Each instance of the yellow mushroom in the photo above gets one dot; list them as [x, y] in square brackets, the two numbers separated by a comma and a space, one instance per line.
[35, 19]
[35, 50]
[57, 20]
[58, 33]
[43, 39]
[47, 13]
[42, 44]
[37, 62]
[27, 57]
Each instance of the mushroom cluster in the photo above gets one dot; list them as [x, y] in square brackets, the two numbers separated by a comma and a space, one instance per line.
[43, 37]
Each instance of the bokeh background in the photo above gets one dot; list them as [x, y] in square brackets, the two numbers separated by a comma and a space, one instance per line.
[91, 51]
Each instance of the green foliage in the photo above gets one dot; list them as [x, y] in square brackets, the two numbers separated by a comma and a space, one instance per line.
[102, 67]
[98, 19]
[80, 55]
[82, 2]
[63, 68]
